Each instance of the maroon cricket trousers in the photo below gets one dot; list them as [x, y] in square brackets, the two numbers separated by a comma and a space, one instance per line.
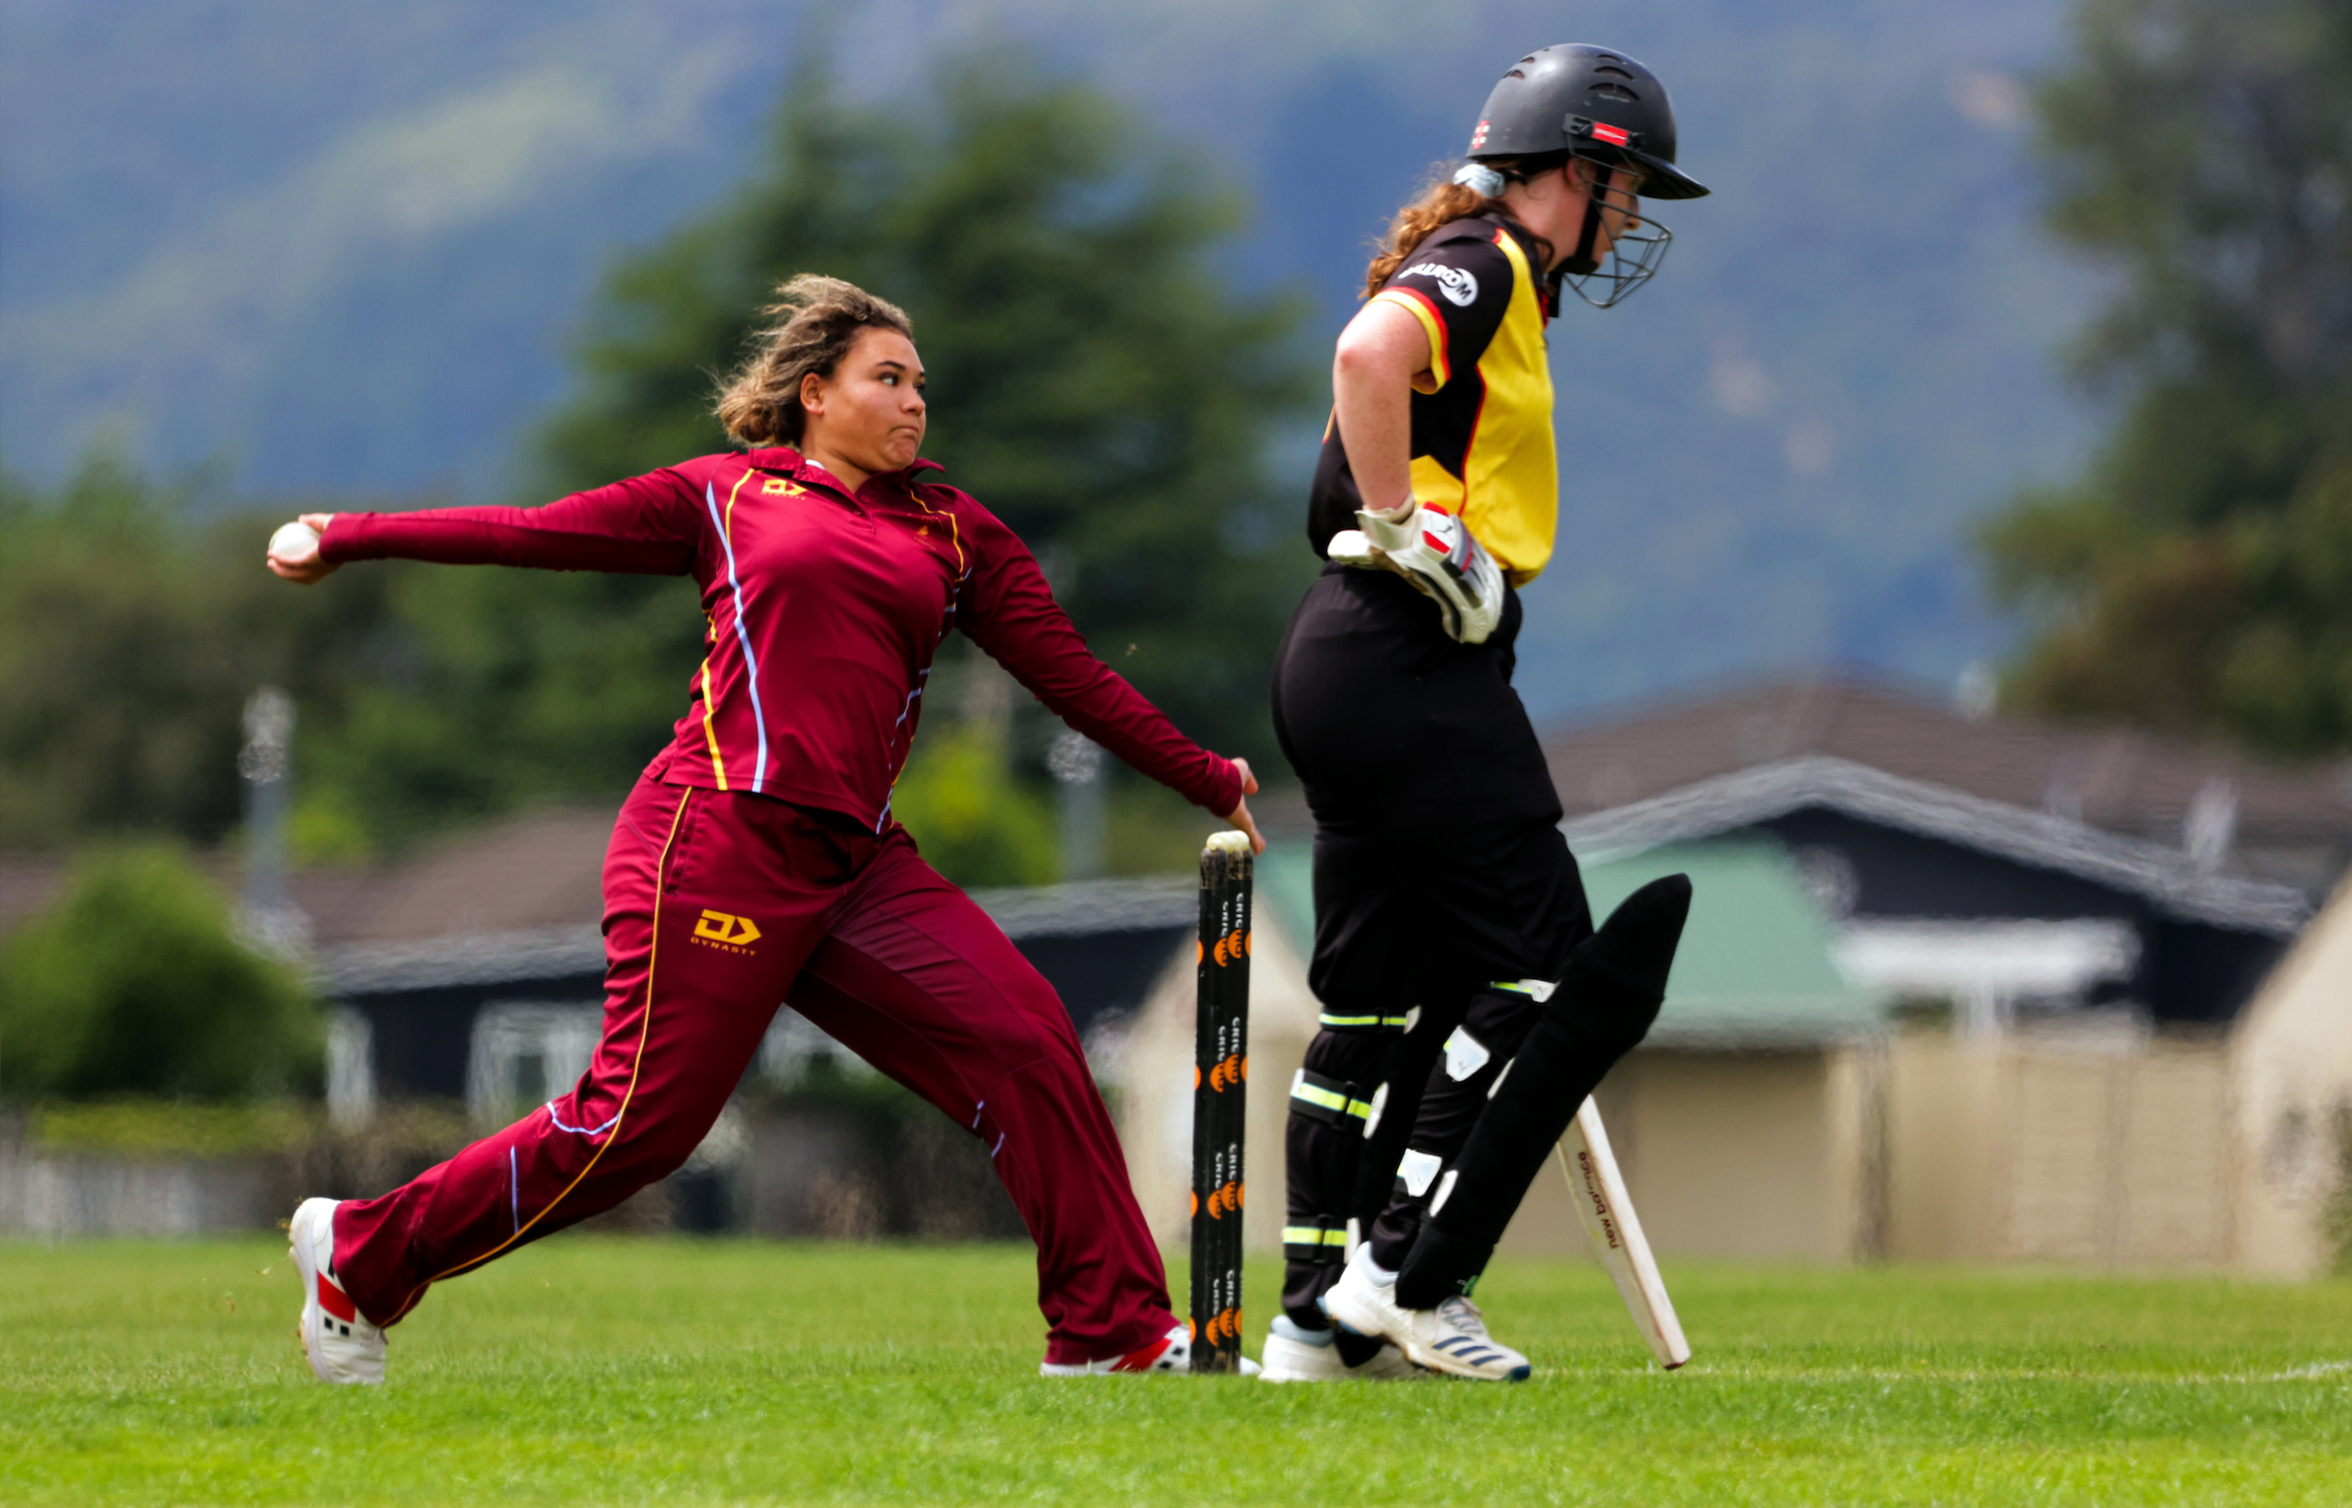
[719, 906]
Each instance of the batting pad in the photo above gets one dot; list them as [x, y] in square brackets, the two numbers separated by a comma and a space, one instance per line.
[1605, 1003]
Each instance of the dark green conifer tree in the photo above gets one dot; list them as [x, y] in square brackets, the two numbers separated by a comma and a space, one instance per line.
[2198, 576]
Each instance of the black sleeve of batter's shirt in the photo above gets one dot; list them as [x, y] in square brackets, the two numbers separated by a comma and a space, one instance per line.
[1457, 285]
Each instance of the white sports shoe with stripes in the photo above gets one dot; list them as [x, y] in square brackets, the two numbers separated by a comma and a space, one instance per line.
[1170, 1353]
[341, 1344]
[1451, 1338]
[1296, 1354]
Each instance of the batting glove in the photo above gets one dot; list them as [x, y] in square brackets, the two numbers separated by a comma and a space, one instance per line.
[1441, 557]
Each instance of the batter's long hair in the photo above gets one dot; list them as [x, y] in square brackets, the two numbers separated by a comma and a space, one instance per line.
[1444, 201]
[817, 320]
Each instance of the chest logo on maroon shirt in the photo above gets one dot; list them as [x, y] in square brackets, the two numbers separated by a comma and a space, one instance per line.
[777, 486]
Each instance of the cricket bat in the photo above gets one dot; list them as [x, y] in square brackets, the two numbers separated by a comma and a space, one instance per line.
[1599, 1191]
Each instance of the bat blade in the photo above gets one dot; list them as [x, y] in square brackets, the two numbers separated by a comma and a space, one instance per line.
[1599, 1190]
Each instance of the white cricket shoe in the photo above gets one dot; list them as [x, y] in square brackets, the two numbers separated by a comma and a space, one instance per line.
[341, 1344]
[1170, 1353]
[1451, 1338]
[1295, 1354]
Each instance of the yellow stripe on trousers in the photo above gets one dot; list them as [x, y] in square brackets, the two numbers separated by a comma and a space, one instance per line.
[636, 1064]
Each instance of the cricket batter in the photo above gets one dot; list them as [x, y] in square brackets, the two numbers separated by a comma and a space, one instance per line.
[1468, 1008]
[756, 861]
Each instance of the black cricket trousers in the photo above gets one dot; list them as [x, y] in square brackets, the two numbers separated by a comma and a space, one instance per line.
[1441, 881]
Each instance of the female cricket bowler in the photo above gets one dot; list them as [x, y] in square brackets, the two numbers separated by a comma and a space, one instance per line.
[1467, 1004]
[756, 861]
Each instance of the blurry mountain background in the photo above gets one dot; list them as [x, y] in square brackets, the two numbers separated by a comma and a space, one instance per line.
[343, 253]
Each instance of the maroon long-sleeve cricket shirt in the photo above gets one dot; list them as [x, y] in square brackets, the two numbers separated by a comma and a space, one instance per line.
[824, 609]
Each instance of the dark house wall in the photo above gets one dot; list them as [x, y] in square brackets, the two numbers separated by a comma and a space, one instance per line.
[1100, 975]
[2189, 973]
[1901, 874]
[421, 1036]
[2195, 975]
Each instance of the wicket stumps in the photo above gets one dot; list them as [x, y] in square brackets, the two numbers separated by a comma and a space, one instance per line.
[1220, 1083]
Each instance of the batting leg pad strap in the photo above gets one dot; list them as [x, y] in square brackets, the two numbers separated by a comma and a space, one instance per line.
[1344, 1022]
[1610, 994]
[1334, 1102]
[1325, 1240]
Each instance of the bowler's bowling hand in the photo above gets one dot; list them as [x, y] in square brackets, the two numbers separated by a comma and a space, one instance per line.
[294, 550]
[1240, 815]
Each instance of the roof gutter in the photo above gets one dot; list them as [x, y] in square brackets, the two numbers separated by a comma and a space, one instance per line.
[2165, 877]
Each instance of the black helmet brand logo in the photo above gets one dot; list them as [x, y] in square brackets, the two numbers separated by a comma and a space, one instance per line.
[717, 929]
[1458, 286]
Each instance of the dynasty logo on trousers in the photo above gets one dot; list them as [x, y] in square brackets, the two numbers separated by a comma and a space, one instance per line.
[717, 929]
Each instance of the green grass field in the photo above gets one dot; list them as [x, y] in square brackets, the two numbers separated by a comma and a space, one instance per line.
[604, 1370]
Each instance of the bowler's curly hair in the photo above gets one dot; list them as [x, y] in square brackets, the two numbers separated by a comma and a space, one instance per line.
[817, 319]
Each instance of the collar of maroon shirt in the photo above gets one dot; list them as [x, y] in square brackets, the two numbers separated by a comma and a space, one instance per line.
[783, 458]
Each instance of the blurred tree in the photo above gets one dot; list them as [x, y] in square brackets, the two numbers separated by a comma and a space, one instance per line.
[2198, 577]
[129, 640]
[975, 823]
[1096, 379]
[133, 984]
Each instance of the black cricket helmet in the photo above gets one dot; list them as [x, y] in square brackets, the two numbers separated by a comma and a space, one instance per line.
[1590, 101]
[1609, 110]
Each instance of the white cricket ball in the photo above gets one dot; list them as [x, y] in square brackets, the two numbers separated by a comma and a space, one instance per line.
[295, 541]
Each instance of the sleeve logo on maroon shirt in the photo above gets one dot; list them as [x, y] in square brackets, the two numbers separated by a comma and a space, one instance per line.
[1459, 287]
